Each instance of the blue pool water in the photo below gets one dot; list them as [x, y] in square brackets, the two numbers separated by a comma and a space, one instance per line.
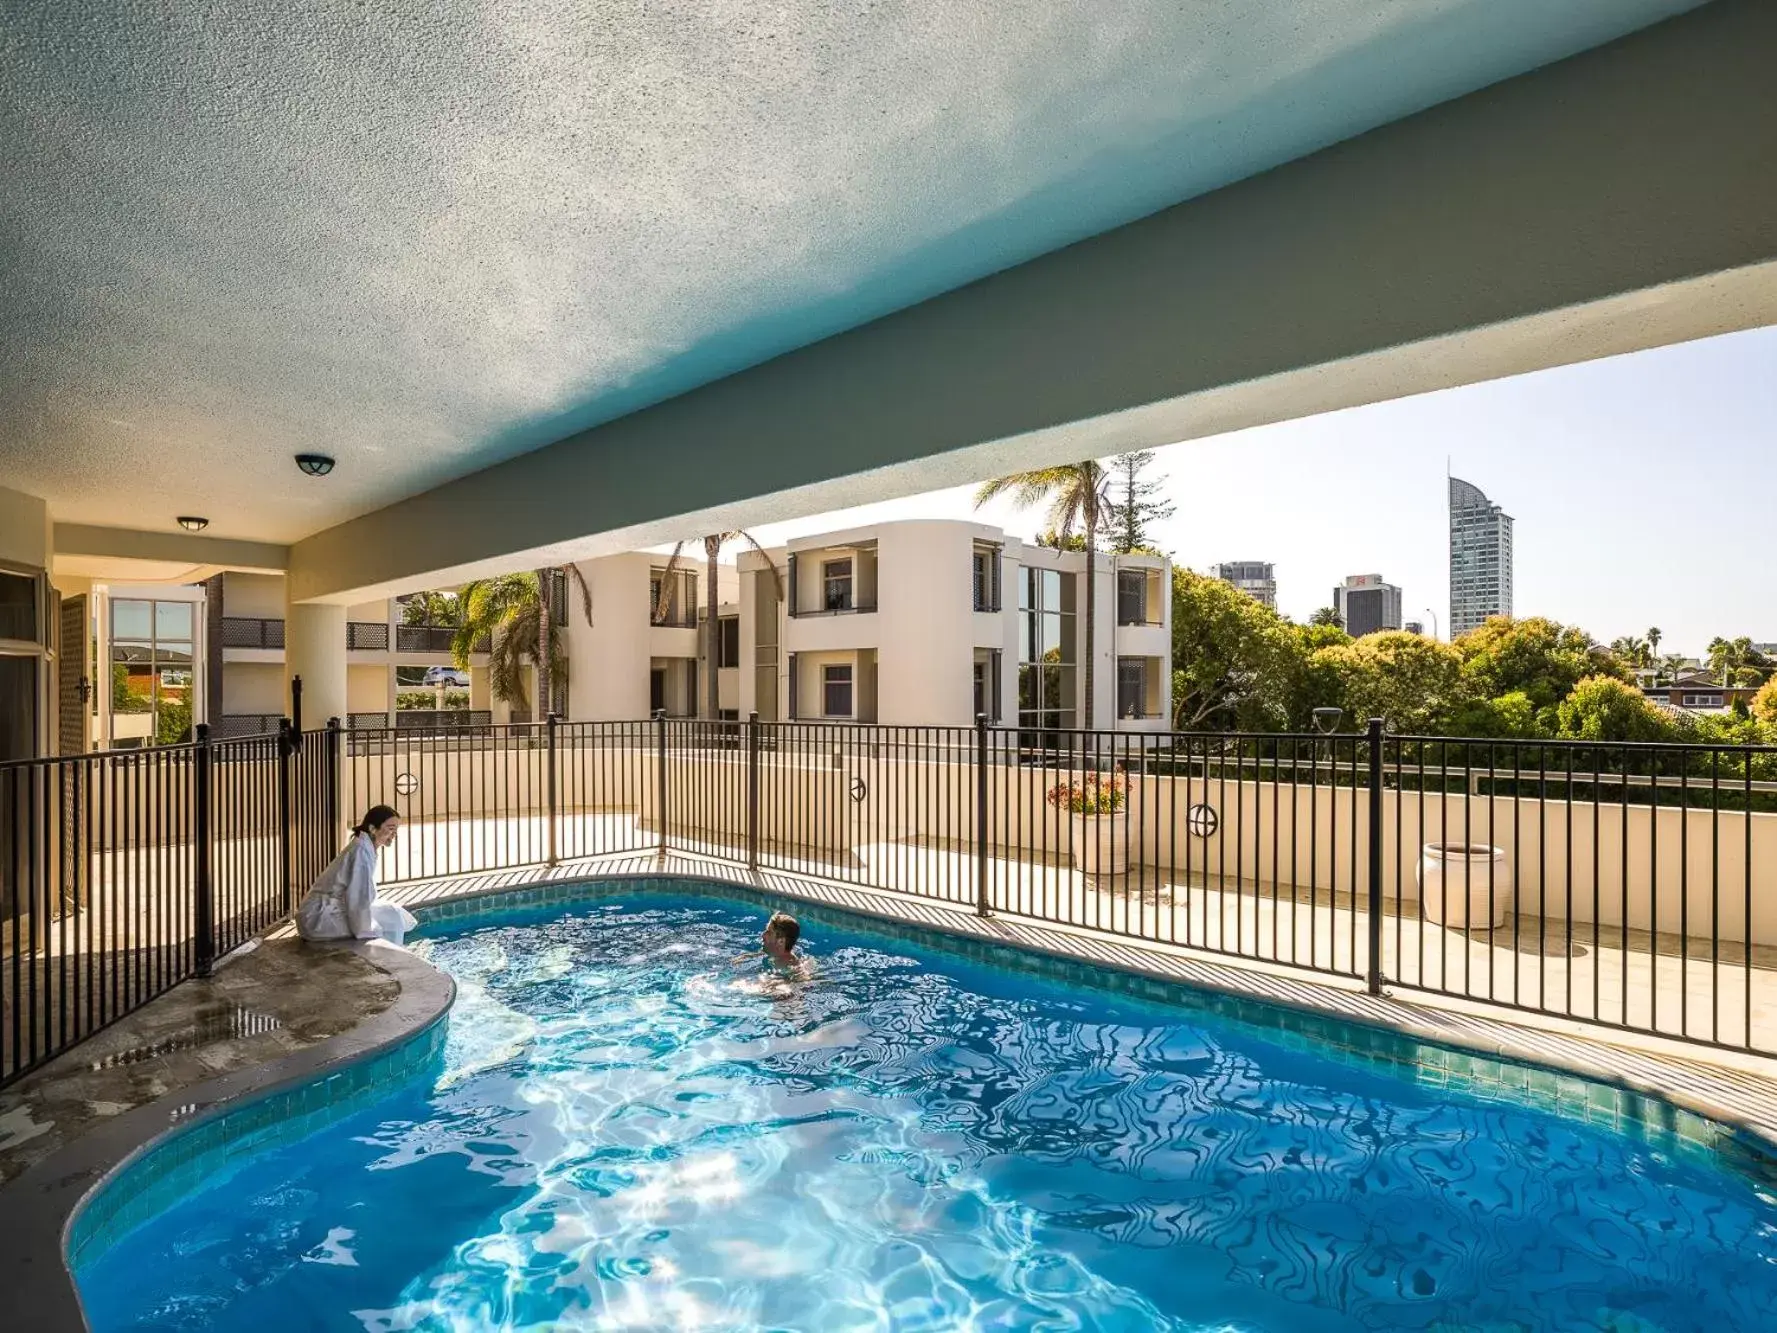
[628, 1132]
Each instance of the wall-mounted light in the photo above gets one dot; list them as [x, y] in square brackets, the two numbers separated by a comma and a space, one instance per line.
[192, 523]
[316, 465]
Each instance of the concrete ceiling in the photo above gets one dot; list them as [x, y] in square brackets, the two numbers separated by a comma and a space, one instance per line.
[423, 242]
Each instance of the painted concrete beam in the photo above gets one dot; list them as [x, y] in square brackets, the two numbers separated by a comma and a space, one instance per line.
[80, 539]
[1623, 199]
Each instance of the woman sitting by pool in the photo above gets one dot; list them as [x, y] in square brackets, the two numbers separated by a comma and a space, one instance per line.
[342, 905]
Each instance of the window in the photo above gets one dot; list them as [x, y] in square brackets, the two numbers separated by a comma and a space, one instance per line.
[728, 641]
[986, 567]
[836, 585]
[1046, 649]
[987, 686]
[20, 619]
[1132, 598]
[836, 691]
[151, 672]
[1132, 687]
[1693, 699]
[681, 599]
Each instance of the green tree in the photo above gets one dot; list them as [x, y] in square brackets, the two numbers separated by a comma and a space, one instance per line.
[1764, 703]
[1734, 662]
[1409, 681]
[712, 553]
[1653, 637]
[1536, 657]
[172, 722]
[1134, 504]
[1236, 664]
[1075, 494]
[1604, 708]
[1632, 651]
[432, 608]
[511, 612]
[1327, 615]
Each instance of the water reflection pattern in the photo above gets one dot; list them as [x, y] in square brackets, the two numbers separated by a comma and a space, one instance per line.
[631, 1135]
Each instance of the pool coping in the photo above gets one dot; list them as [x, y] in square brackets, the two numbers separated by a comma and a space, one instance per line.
[44, 1204]
[1741, 1103]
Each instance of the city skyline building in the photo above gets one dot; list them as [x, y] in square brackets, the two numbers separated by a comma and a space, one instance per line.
[1256, 578]
[1480, 558]
[1367, 603]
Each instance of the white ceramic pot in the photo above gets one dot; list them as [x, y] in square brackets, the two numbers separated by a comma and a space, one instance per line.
[1459, 882]
[1101, 843]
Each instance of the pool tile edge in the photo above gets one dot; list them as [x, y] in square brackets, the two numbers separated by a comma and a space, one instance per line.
[46, 1208]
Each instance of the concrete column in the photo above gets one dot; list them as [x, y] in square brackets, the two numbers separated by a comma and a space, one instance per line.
[315, 649]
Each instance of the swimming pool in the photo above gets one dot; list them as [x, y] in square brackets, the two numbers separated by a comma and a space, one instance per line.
[626, 1132]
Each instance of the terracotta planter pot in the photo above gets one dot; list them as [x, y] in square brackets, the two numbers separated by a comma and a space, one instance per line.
[1101, 843]
[1459, 883]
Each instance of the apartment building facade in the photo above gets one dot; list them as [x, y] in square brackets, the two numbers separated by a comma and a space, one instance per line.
[175, 655]
[1480, 558]
[1367, 603]
[919, 622]
[1256, 578]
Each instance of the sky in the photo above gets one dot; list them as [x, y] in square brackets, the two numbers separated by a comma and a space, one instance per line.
[1644, 489]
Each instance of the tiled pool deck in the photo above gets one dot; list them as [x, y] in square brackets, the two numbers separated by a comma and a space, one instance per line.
[297, 1033]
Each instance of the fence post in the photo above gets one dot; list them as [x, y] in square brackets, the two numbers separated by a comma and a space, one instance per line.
[330, 787]
[753, 790]
[286, 852]
[204, 905]
[660, 777]
[1375, 743]
[981, 866]
[554, 795]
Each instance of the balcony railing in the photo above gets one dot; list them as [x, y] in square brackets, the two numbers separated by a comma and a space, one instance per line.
[425, 638]
[252, 632]
[854, 608]
[367, 636]
[231, 725]
[1617, 884]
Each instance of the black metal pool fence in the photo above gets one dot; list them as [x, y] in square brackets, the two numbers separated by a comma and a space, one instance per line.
[1628, 885]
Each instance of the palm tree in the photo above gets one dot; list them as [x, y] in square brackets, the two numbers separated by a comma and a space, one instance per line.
[1075, 493]
[1327, 615]
[712, 551]
[1653, 650]
[511, 612]
[1633, 651]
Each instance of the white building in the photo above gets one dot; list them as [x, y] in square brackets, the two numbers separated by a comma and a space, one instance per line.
[1480, 558]
[902, 623]
[1367, 603]
[1256, 578]
[213, 652]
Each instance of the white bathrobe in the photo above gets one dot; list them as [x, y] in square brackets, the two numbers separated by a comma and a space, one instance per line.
[343, 905]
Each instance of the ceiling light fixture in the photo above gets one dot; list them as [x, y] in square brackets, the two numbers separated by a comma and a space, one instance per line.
[316, 465]
[191, 523]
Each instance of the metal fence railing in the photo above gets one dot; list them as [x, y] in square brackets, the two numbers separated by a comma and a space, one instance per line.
[124, 873]
[1630, 886]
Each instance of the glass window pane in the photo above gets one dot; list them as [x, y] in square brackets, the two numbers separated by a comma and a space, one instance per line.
[131, 620]
[18, 607]
[172, 620]
[1066, 590]
[18, 707]
[1051, 593]
[1050, 646]
[1027, 594]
